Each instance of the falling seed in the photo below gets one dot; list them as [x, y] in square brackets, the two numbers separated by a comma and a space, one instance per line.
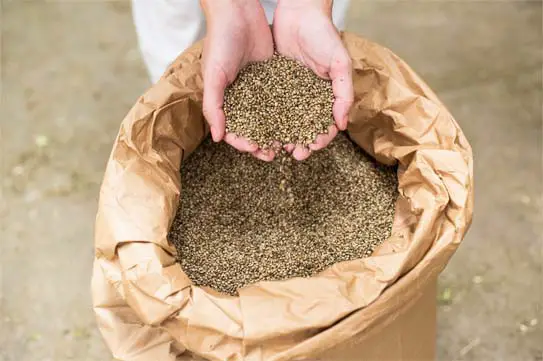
[235, 226]
[477, 280]
[533, 322]
[523, 328]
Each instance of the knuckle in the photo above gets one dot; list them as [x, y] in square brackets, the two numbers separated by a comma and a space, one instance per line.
[343, 62]
[207, 115]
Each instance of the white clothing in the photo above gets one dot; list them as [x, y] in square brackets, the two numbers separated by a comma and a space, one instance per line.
[166, 28]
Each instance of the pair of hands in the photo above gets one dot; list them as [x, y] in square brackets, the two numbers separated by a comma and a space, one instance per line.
[238, 33]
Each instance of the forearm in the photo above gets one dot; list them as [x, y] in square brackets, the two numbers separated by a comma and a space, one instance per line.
[215, 8]
[325, 5]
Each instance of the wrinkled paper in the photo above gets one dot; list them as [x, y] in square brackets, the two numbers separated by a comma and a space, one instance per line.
[147, 308]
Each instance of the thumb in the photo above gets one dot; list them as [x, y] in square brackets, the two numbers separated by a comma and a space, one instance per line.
[215, 82]
[342, 86]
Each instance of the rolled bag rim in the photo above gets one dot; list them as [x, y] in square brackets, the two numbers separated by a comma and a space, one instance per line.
[128, 266]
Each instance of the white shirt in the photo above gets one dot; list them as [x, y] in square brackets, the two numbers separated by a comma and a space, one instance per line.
[166, 28]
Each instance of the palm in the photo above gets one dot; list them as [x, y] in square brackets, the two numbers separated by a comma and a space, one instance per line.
[239, 36]
[314, 41]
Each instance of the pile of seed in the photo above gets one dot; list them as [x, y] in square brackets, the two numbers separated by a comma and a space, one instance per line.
[278, 100]
[234, 225]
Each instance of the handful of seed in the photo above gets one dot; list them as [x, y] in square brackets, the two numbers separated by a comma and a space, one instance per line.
[234, 225]
[278, 100]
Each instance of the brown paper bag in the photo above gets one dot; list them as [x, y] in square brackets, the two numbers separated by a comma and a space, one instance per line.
[377, 308]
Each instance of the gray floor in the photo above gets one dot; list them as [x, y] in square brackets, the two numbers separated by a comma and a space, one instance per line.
[71, 70]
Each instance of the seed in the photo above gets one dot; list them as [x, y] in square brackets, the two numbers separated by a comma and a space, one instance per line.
[234, 225]
[278, 100]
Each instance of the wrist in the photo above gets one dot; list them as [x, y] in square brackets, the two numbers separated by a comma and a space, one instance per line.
[324, 5]
[217, 8]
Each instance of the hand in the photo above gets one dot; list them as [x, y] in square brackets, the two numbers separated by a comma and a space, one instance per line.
[238, 33]
[303, 30]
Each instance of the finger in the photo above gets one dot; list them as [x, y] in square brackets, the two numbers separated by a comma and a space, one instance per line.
[340, 111]
[289, 147]
[267, 155]
[324, 139]
[321, 71]
[240, 143]
[342, 86]
[301, 153]
[215, 82]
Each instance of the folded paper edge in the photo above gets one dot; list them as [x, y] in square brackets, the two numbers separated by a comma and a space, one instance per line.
[460, 146]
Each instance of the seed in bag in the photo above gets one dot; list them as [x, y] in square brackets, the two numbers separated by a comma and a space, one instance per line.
[235, 226]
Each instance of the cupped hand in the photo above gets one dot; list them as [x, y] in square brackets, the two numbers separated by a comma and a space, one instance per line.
[303, 30]
[238, 33]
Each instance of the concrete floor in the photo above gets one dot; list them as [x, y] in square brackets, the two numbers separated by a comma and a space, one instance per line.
[71, 70]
